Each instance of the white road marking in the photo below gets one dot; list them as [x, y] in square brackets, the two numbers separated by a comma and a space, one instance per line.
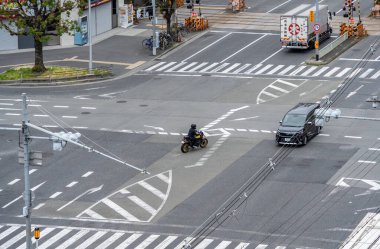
[258, 39]
[9, 129]
[120, 210]
[204, 244]
[369, 162]
[343, 72]
[366, 73]
[320, 71]
[6, 104]
[354, 137]
[82, 97]
[72, 117]
[183, 243]
[203, 49]
[88, 108]
[176, 66]
[242, 245]
[323, 135]
[269, 94]
[152, 189]
[374, 149]
[253, 69]
[223, 245]
[261, 246]
[166, 242]
[40, 115]
[295, 72]
[54, 239]
[274, 70]
[278, 6]
[209, 67]
[12, 114]
[270, 56]
[14, 181]
[310, 70]
[50, 126]
[355, 72]
[219, 67]
[109, 95]
[187, 67]
[91, 240]
[165, 66]
[241, 119]
[8, 231]
[147, 241]
[109, 241]
[9, 109]
[376, 75]
[71, 184]
[72, 239]
[128, 241]
[262, 70]
[80, 127]
[94, 215]
[61, 106]
[286, 70]
[143, 204]
[155, 66]
[229, 69]
[278, 88]
[194, 69]
[354, 92]
[39, 206]
[88, 174]
[241, 68]
[13, 240]
[55, 195]
[331, 72]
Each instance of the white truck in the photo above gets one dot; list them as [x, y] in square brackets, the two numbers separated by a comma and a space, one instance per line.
[297, 26]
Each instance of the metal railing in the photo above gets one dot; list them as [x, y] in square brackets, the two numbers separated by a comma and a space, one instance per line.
[333, 45]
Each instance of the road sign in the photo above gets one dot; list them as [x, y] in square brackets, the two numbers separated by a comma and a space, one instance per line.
[316, 27]
[294, 29]
[311, 16]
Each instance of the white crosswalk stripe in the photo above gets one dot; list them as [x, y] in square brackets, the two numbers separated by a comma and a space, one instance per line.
[86, 238]
[265, 69]
[8, 232]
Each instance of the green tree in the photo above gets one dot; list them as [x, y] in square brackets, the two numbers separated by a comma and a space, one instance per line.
[167, 9]
[40, 19]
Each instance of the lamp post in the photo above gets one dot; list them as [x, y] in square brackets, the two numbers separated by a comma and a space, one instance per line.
[89, 38]
[154, 28]
[317, 33]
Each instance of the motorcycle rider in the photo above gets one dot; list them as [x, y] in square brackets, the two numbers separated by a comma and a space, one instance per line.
[192, 133]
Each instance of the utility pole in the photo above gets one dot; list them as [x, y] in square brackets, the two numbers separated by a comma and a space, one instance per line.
[154, 27]
[26, 212]
[89, 37]
[317, 33]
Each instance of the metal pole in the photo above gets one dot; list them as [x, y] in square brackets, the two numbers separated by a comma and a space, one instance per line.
[89, 37]
[154, 27]
[27, 198]
[317, 35]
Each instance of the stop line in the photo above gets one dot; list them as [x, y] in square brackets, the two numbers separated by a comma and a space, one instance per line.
[263, 69]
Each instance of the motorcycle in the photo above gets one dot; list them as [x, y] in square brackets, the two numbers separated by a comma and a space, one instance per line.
[200, 141]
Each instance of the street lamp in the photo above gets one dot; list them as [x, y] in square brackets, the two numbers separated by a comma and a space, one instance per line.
[89, 38]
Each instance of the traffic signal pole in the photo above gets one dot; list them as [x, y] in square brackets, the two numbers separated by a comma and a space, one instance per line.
[317, 33]
[154, 28]
[26, 212]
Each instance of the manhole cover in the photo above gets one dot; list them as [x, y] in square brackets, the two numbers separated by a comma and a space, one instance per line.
[85, 112]
[143, 105]
[121, 101]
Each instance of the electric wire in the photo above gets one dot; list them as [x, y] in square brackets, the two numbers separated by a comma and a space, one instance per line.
[282, 153]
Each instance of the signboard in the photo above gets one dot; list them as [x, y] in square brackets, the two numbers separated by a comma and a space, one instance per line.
[316, 27]
[294, 29]
[126, 15]
[311, 16]
[81, 37]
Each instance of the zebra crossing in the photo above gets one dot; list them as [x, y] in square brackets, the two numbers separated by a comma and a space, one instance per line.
[12, 236]
[139, 202]
[263, 69]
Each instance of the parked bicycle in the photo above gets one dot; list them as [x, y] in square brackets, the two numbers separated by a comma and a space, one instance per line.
[148, 43]
[165, 40]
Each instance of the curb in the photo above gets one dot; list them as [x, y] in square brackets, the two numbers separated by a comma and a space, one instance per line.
[335, 53]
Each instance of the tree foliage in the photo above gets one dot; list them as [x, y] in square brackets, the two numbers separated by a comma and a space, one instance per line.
[40, 19]
[167, 9]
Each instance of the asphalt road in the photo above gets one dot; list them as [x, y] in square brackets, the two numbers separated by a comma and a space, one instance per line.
[234, 85]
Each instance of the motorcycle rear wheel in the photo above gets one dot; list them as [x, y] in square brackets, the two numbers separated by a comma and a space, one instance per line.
[204, 143]
[185, 147]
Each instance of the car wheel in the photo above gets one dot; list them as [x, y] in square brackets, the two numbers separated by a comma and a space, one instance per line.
[304, 140]
[318, 130]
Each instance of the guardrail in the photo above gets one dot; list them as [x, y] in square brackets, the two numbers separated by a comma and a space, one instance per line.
[333, 45]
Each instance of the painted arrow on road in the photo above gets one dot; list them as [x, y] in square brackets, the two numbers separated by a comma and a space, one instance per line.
[242, 119]
[209, 133]
[375, 185]
[90, 191]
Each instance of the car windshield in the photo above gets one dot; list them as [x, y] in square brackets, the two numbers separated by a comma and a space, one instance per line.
[294, 120]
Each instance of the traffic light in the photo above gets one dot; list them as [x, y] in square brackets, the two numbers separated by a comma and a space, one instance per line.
[60, 141]
[189, 4]
[36, 233]
[198, 1]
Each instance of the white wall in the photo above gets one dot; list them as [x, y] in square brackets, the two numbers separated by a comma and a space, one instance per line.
[101, 18]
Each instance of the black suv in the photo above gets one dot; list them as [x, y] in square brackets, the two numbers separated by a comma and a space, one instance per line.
[298, 125]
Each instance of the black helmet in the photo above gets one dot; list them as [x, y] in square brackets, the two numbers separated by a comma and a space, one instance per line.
[193, 126]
